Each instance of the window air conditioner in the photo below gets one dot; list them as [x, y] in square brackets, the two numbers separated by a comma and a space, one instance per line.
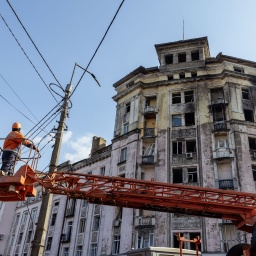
[189, 155]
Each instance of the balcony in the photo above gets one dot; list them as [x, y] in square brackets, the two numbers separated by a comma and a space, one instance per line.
[222, 153]
[148, 160]
[150, 112]
[226, 184]
[149, 132]
[65, 238]
[220, 126]
[144, 221]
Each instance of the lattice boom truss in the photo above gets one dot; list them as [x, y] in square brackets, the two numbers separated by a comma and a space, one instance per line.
[151, 195]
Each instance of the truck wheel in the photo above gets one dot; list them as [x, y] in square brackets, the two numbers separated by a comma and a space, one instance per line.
[237, 250]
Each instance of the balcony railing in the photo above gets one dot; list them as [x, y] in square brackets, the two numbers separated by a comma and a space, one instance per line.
[148, 160]
[149, 132]
[226, 184]
[221, 153]
[65, 238]
[220, 126]
[145, 221]
[150, 111]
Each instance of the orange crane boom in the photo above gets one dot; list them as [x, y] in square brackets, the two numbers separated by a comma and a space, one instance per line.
[139, 194]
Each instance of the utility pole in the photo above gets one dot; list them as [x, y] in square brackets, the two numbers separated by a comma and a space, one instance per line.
[43, 219]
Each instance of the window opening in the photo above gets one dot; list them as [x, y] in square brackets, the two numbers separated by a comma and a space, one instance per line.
[219, 113]
[245, 94]
[53, 220]
[177, 147]
[191, 146]
[176, 98]
[252, 143]
[195, 55]
[96, 223]
[49, 244]
[102, 171]
[189, 119]
[150, 150]
[193, 74]
[177, 175]
[192, 175]
[182, 57]
[94, 249]
[170, 78]
[193, 245]
[79, 250]
[176, 243]
[176, 120]
[189, 96]
[82, 225]
[123, 154]
[238, 69]
[169, 59]
[254, 172]
[126, 128]
[182, 75]
[248, 115]
[127, 107]
[145, 238]
[116, 244]
[65, 251]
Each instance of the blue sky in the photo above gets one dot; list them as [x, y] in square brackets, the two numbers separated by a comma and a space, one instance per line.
[67, 32]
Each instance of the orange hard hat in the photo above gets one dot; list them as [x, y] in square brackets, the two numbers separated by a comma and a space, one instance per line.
[16, 125]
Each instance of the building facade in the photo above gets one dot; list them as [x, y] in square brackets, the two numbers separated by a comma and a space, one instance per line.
[189, 121]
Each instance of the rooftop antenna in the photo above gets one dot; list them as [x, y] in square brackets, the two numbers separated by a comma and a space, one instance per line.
[183, 28]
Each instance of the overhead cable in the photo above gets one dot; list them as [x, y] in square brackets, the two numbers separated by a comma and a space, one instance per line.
[97, 47]
[19, 97]
[33, 43]
[44, 118]
[16, 108]
[28, 57]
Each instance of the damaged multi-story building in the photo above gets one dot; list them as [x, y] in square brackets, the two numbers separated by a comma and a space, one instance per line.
[189, 121]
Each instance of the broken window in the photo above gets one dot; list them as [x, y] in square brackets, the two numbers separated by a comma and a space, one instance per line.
[189, 119]
[192, 175]
[182, 57]
[176, 98]
[177, 147]
[145, 238]
[217, 96]
[182, 75]
[170, 78]
[248, 115]
[239, 69]
[177, 175]
[189, 96]
[218, 113]
[176, 120]
[193, 74]
[245, 94]
[127, 107]
[53, 220]
[195, 55]
[252, 143]
[190, 146]
[254, 172]
[149, 151]
[169, 59]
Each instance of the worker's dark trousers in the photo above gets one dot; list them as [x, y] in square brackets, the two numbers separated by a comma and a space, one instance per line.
[8, 161]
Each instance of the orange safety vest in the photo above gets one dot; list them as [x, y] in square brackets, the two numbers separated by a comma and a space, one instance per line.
[14, 140]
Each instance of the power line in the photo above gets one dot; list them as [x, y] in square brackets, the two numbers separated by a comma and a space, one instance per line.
[18, 97]
[85, 70]
[33, 43]
[16, 108]
[27, 57]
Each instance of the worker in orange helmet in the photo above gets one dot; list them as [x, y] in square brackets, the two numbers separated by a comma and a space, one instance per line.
[11, 149]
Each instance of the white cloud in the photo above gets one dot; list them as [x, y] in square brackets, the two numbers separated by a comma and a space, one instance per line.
[81, 147]
[67, 136]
